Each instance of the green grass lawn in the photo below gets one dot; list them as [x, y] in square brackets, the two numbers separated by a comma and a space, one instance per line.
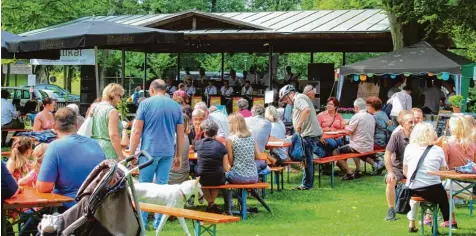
[351, 208]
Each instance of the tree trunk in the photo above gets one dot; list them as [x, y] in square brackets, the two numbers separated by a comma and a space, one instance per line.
[102, 67]
[70, 77]
[214, 6]
[405, 30]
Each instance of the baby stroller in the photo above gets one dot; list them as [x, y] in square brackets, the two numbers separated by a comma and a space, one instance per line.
[105, 204]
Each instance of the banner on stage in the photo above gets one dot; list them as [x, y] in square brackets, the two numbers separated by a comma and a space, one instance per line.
[215, 100]
[258, 100]
[196, 99]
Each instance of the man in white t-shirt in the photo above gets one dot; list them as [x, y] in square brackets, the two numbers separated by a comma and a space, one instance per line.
[433, 98]
[401, 101]
[247, 90]
[252, 75]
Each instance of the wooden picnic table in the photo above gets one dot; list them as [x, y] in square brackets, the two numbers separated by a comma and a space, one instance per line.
[277, 143]
[453, 176]
[334, 134]
[30, 198]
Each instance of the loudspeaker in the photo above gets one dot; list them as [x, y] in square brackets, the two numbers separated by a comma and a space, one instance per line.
[324, 73]
[88, 88]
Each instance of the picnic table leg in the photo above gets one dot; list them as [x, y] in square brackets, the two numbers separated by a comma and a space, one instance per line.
[435, 222]
[282, 184]
[422, 223]
[320, 173]
[265, 179]
[332, 174]
[289, 166]
[244, 195]
[272, 183]
[451, 209]
[4, 223]
[197, 227]
[277, 180]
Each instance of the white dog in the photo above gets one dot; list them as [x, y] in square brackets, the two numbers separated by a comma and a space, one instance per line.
[168, 195]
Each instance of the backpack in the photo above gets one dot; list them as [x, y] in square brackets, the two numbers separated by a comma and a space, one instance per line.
[296, 150]
[387, 108]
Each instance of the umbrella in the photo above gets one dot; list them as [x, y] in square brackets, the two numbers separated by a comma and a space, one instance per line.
[7, 36]
[101, 34]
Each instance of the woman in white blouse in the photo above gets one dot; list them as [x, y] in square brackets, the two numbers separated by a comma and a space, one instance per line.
[425, 185]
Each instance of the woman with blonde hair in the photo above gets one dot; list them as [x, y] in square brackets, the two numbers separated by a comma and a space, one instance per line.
[460, 146]
[424, 185]
[106, 126]
[472, 126]
[242, 153]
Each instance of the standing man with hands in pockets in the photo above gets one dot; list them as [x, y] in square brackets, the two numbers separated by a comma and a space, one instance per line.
[159, 126]
[305, 123]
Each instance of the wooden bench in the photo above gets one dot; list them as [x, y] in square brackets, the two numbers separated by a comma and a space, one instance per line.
[277, 171]
[334, 159]
[198, 218]
[433, 208]
[244, 193]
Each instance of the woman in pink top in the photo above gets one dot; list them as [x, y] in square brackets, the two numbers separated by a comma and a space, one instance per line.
[330, 120]
[182, 93]
[44, 119]
[243, 106]
[459, 147]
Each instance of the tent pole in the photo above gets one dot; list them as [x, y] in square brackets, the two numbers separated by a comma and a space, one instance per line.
[96, 69]
[270, 67]
[123, 71]
[222, 66]
[178, 66]
[145, 72]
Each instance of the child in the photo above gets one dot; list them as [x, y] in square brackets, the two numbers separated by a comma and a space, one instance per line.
[30, 178]
[212, 163]
[18, 164]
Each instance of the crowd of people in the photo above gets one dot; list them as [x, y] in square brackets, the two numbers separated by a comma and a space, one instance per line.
[229, 148]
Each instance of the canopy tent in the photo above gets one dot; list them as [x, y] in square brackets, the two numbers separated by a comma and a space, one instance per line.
[7, 36]
[419, 59]
[415, 59]
[103, 35]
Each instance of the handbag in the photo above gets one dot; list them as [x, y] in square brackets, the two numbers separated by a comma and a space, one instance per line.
[405, 194]
[296, 150]
[86, 128]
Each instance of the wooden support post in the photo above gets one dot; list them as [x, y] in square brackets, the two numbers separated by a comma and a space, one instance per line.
[312, 57]
[178, 66]
[145, 73]
[343, 58]
[222, 66]
[123, 67]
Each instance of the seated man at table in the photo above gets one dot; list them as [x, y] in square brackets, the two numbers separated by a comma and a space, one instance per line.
[361, 131]
[69, 159]
[259, 127]
[394, 158]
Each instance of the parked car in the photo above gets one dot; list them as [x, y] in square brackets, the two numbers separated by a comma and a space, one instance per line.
[54, 95]
[20, 96]
[61, 92]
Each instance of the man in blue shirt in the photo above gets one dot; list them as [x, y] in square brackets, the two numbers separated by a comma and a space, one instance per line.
[159, 123]
[68, 160]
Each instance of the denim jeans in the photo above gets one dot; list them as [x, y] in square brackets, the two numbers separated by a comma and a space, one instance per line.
[161, 169]
[332, 144]
[311, 145]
